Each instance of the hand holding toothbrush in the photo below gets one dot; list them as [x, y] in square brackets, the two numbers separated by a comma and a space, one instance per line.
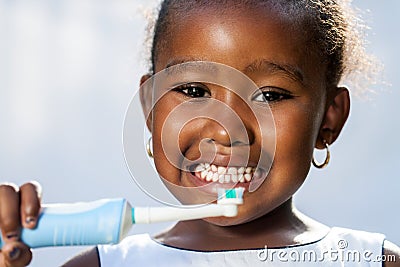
[104, 221]
[19, 208]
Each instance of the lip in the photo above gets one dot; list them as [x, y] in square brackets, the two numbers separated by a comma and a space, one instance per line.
[210, 188]
[234, 159]
[224, 160]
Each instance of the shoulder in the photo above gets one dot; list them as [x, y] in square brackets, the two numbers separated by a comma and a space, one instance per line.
[94, 257]
[358, 237]
[139, 249]
[386, 252]
[89, 258]
[391, 254]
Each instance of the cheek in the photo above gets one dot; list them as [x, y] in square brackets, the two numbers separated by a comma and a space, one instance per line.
[296, 131]
[165, 160]
[174, 138]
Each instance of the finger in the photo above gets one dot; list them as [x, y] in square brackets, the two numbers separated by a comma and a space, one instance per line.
[15, 254]
[9, 212]
[30, 194]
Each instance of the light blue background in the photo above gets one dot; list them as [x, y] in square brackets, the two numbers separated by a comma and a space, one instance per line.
[69, 68]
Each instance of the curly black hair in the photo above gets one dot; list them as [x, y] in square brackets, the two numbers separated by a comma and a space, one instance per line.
[334, 28]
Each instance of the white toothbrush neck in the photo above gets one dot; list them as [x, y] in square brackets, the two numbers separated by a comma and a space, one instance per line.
[163, 214]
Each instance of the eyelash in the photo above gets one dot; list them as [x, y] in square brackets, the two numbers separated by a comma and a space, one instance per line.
[193, 90]
[272, 94]
[268, 94]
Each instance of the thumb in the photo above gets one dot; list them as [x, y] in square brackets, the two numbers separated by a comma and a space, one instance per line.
[15, 254]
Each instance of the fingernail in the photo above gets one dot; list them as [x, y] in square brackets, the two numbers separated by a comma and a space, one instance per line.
[12, 235]
[30, 220]
[14, 254]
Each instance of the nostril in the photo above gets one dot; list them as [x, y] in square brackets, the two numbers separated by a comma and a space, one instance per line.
[209, 140]
[232, 143]
[239, 143]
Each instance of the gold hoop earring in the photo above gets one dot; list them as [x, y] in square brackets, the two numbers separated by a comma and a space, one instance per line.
[327, 158]
[148, 147]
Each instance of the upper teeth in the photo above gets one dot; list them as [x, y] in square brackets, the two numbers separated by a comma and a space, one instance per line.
[214, 173]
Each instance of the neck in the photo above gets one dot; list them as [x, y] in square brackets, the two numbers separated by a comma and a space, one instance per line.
[282, 227]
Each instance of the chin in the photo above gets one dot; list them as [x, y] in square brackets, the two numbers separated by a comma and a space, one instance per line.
[241, 218]
[224, 221]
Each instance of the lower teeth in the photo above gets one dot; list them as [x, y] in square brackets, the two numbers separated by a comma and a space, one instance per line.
[213, 173]
[224, 178]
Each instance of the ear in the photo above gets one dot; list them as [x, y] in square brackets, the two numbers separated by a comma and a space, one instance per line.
[335, 117]
[145, 100]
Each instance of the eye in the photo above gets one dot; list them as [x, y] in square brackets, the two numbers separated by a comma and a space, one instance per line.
[194, 90]
[271, 94]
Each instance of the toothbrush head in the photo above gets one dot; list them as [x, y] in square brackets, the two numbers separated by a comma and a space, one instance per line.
[233, 196]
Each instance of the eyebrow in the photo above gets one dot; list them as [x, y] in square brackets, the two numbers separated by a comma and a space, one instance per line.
[178, 68]
[269, 66]
[181, 60]
[262, 65]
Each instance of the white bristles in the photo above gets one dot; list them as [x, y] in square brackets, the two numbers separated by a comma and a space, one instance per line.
[230, 196]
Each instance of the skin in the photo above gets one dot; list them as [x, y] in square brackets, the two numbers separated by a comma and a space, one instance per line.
[302, 122]
[314, 112]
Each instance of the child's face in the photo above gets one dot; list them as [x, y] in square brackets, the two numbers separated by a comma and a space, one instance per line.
[294, 84]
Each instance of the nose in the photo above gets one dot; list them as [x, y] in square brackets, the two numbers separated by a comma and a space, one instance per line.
[233, 123]
[227, 136]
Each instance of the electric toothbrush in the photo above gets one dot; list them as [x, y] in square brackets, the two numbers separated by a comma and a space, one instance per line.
[108, 221]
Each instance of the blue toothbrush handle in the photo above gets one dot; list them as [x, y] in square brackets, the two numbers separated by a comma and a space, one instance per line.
[91, 223]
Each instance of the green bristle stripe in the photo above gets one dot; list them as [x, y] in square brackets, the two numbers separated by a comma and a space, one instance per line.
[133, 215]
[231, 193]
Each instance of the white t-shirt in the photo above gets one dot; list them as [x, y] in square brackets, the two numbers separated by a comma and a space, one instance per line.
[340, 247]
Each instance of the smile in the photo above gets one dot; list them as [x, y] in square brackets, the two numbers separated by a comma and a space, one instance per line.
[213, 173]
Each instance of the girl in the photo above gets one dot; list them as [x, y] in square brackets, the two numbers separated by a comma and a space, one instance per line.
[296, 53]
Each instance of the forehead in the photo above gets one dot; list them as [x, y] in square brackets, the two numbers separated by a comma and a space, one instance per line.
[239, 38]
